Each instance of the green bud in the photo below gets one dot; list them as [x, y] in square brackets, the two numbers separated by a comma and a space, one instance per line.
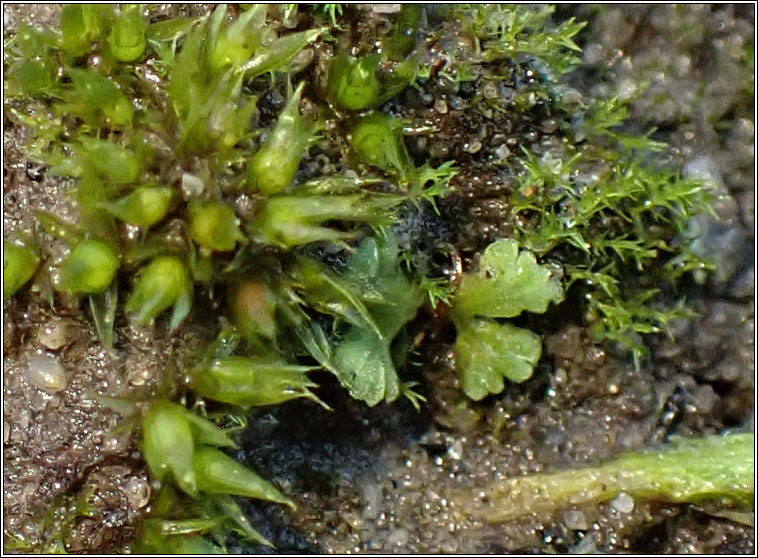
[164, 283]
[353, 83]
[127, 38]
[253, 382]
[82, 24]
[20, 262]
[275, 164]
[168, 445]
[362, 83]
[205, 432]
[111, 162]
[89, 268]
[379, 141]
[235, 43]
[214, 226]
[232, 510]
[144, 207]
[218, 473]
[254, 308]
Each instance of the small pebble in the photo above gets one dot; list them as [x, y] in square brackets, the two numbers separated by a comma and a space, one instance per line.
[575, 520]
[353, 519]
[549, 126]
[623, 503]
[192, 186]
[138, 375]
[398, 537]
[502, 152]
[385, 8]
[489, 90]
[137, 492]
[455, 450]
[54, 336]
[585, 546]
[473, 147]
[46, 373]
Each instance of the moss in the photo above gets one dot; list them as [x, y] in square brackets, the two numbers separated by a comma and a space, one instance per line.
[190, 130]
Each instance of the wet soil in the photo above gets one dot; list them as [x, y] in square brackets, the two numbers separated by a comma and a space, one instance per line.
[382, 480]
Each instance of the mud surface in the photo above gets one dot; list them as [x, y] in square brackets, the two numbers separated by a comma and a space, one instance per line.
[390, 479]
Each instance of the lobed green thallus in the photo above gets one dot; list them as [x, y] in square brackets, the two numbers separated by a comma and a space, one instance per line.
[362, 83]
[95, 99]
[378, 139]
[508, 282]
[82, 25]
[109, 162]
[353, 82]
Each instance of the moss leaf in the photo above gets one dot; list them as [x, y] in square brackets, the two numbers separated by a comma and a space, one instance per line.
[279, 53]
[103, 307]
[218, 473]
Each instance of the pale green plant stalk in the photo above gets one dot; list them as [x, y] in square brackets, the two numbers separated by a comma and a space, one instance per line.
[714, 469]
